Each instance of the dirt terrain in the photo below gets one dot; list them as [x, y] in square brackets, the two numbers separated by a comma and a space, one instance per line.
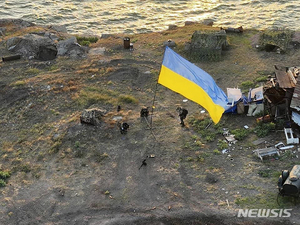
[65, 172]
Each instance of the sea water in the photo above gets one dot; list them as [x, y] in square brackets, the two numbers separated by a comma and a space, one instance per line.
[140, 16]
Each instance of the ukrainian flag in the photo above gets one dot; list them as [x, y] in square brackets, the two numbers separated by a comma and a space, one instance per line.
[185, 78]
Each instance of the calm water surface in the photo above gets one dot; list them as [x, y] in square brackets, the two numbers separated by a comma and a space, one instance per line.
[136, 16]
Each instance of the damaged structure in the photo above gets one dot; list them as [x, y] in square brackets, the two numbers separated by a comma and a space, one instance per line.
[278, 100]
[281, 93]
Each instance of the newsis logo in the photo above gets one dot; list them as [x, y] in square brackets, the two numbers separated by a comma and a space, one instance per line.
[263, 213]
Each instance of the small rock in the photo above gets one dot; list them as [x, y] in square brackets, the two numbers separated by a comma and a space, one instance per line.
[172, 27]
[207, 22]
[169, 43]
[186, 23]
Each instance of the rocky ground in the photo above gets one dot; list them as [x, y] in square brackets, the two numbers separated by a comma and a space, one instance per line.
[65, 172]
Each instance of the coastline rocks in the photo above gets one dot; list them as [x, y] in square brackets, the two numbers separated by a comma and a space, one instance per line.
[207, 22]
[58, 28]
[44, 47]
[70, 47]
[33, 46]
[17, 22]
[187, 23]
[172, 27]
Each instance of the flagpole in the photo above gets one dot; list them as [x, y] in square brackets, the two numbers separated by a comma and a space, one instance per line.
[153, 106]
[154, 98]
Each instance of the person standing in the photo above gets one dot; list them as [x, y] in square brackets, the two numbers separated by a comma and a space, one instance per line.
[182, 113]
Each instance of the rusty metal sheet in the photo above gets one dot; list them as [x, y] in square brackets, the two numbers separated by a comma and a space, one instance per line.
[295, 103]
[284, 80]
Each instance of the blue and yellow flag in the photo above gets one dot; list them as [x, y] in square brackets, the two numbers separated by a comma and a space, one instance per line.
[185, 78]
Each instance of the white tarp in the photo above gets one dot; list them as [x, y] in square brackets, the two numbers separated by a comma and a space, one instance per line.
[257, 94]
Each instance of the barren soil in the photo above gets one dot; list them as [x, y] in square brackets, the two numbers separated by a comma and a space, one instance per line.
[65, 172]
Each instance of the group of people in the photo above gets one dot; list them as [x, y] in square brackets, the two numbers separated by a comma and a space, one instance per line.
[182, 113]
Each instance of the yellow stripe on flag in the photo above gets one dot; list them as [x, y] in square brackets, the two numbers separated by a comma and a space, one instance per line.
[190, 90]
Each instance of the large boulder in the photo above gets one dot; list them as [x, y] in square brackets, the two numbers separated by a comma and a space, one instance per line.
[47, 52]
[207, 45]
[70, 47]
[33, 46]
[92, 116]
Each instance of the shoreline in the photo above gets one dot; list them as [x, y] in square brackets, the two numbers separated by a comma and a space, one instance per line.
[205, 22]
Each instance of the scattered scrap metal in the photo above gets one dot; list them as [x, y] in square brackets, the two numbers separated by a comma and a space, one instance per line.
[266, 152]
[273, 150]
[229, 137]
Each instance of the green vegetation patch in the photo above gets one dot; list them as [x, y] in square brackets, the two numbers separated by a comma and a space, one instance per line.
[32, 71]
[19, 83]
[240, 134]
[263, 129]
[265, 173]
[205, 128]
[127, 99]
[86, 41]
[266, 200]
[4, 175]
[247, 84]
[222, 144]
[93, 95]
[261, 79]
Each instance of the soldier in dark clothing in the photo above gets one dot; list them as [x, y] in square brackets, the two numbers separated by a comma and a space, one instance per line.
[182, 114]
[144, 112]
[123, 127]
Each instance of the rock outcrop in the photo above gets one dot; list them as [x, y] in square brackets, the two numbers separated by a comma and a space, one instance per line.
[33, 46]
[17, 22]
[71, 48]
